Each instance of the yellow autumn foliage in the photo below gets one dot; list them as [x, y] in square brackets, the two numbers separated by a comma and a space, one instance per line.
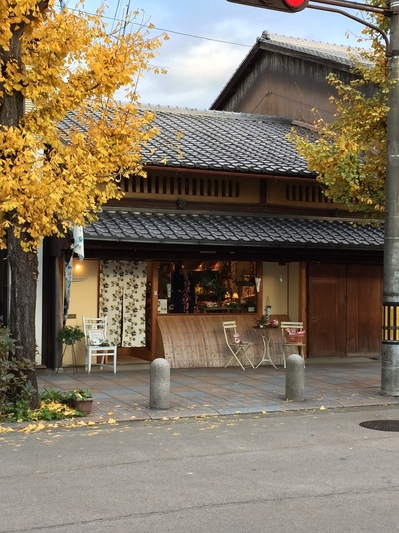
[69, 63]
[349, 154]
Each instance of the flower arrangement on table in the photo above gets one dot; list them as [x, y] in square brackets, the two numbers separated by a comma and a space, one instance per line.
[264, 321]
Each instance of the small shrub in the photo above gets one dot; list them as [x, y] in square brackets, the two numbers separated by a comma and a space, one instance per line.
[51, 395]
[16, 391]
[7, 343]
[54, 405]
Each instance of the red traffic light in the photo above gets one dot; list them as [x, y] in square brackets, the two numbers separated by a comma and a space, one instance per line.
[289, 6]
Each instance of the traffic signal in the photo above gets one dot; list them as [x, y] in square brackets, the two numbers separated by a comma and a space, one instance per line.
[289, 6]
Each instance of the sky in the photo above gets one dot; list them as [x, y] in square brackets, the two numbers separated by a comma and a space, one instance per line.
[210, 38]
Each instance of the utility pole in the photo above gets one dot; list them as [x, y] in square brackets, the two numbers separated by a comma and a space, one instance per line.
[390, 326]
[390, 297]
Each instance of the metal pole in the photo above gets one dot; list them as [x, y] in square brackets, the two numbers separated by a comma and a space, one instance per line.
[390, 325]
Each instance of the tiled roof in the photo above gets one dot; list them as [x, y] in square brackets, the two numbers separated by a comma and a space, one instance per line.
[331, 52]
[220, 141]
[233, 230]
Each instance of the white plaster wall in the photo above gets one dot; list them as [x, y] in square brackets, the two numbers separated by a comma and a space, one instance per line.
[83, 301]
[293, 291]
[281, 285]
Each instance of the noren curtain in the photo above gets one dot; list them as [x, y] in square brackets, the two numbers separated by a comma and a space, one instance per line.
[122, 299]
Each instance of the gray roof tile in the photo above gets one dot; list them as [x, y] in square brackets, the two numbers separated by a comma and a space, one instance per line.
[236, 230]
[214, 140]
[218, 140]
[332, 52]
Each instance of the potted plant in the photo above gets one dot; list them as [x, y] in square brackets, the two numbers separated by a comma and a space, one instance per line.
[80, 399]
[70, 334]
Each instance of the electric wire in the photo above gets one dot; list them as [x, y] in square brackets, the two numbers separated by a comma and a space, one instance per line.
[117, 19]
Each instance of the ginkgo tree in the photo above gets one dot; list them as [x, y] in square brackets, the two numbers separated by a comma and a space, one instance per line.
[61, 61]
[349, 154]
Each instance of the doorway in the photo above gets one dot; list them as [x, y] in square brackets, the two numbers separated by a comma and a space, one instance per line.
[123, 300]
[344, 311]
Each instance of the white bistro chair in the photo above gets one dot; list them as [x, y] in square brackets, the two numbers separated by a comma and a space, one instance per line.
[293, 335]
[95, 330]
[236, 346]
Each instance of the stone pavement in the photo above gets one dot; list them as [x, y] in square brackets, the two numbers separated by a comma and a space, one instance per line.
[124, 396]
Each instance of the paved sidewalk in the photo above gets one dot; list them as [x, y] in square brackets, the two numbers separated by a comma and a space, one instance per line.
[332, 383]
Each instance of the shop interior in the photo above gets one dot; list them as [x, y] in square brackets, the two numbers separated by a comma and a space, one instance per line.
[208, 287]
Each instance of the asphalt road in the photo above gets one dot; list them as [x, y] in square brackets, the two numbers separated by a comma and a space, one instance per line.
[301, 472]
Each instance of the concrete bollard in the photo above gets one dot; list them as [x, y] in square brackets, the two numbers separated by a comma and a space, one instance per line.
[159, 384]
[295, 378]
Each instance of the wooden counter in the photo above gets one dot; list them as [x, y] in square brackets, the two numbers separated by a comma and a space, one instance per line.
[197, 340]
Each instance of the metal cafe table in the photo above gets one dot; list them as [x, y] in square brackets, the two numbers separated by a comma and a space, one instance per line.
[265, 335]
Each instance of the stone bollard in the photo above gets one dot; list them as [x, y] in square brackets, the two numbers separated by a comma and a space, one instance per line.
[295, 378]
[159, 384]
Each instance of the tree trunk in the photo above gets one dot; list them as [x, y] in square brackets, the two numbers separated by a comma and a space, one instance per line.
[24, 274]
[23, 266]
[11, 105]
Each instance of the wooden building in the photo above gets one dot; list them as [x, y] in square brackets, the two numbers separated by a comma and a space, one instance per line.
[286, 77]
[228, 199]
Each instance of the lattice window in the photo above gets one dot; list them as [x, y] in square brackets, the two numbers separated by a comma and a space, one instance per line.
[306, 193]
[182, 186]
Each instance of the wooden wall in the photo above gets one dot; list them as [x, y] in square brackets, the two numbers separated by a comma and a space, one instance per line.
[197, 341]
[285, 84]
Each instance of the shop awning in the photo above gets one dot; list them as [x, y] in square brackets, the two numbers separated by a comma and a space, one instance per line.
[234, 230]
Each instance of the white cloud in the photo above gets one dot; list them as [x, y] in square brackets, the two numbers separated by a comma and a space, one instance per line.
[194, 78]
[198, 69]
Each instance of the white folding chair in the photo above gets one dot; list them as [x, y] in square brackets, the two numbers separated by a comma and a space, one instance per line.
[95, 330]
[290, 337]
[236, 346]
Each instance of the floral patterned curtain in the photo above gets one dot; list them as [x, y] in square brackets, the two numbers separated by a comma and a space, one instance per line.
[122, 299]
